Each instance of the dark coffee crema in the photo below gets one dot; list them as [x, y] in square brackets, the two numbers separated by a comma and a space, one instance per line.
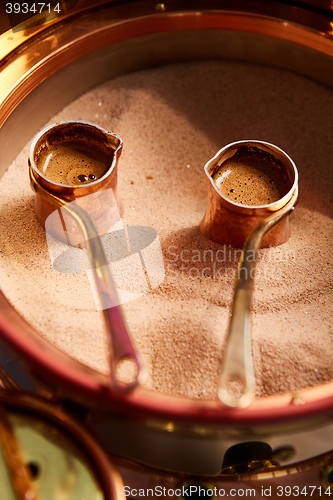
[74, 163]
[252, 177]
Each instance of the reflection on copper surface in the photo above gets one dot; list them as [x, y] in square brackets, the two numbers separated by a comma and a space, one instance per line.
[330, 32]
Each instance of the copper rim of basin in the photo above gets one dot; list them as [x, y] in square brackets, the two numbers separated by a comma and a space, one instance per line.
[109, 25]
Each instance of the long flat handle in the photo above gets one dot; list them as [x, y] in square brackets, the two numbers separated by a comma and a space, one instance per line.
[236, 386]
[120, 344]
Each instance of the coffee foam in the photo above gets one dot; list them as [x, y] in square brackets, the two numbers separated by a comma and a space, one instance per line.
[73, 163]
[252, 177]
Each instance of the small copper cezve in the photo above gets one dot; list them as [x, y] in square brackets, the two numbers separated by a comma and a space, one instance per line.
[74, 160]
[247, 181]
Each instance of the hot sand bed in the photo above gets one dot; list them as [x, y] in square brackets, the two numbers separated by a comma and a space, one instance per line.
[172, 119]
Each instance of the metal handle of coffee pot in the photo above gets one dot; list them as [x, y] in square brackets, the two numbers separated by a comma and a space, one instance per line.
[236, 386]
[120, 344]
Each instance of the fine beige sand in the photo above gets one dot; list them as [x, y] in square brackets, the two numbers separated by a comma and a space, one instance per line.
[172, 120]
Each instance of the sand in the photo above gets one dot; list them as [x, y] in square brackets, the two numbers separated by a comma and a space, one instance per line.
[172, 120]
